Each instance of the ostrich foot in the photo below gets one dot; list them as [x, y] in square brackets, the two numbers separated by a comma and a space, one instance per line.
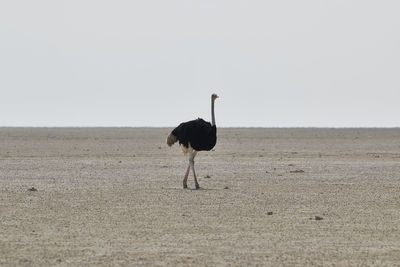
[197, 186]
[184, 185]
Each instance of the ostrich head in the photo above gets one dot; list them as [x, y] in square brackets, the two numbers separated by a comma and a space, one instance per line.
[214, 96]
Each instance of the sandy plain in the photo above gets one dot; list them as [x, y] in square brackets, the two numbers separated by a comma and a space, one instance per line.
[269, 197]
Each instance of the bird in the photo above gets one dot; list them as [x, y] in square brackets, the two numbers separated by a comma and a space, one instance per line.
[193, 136]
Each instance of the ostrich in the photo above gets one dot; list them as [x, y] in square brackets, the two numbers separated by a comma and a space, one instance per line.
[194, 136]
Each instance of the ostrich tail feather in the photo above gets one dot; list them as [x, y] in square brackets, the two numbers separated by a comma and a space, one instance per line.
[171, 139]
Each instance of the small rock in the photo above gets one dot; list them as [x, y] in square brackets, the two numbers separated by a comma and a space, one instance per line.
[32, 189]
[318, 218]
[120, 161]
[290, 164]
[270, 213]
[266, 171]
[226, 187]
[207, 176]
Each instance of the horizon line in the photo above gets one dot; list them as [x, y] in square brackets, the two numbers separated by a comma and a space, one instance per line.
[221, 127]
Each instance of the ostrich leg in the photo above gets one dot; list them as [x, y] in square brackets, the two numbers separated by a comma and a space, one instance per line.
[191, 161]
[186, 177]
[195, 178]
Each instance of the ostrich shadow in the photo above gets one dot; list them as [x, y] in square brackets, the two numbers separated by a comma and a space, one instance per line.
[192, 189]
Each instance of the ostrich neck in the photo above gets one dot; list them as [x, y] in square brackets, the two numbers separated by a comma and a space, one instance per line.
[212, 112]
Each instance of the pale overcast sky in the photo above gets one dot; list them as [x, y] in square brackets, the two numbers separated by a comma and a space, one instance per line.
[156, 62]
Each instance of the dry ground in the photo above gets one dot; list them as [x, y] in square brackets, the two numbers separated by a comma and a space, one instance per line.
[114, 197]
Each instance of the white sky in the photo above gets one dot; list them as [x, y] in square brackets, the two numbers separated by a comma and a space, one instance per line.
[155, 63]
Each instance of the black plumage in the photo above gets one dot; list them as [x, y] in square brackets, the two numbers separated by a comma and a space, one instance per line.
[200, 134]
